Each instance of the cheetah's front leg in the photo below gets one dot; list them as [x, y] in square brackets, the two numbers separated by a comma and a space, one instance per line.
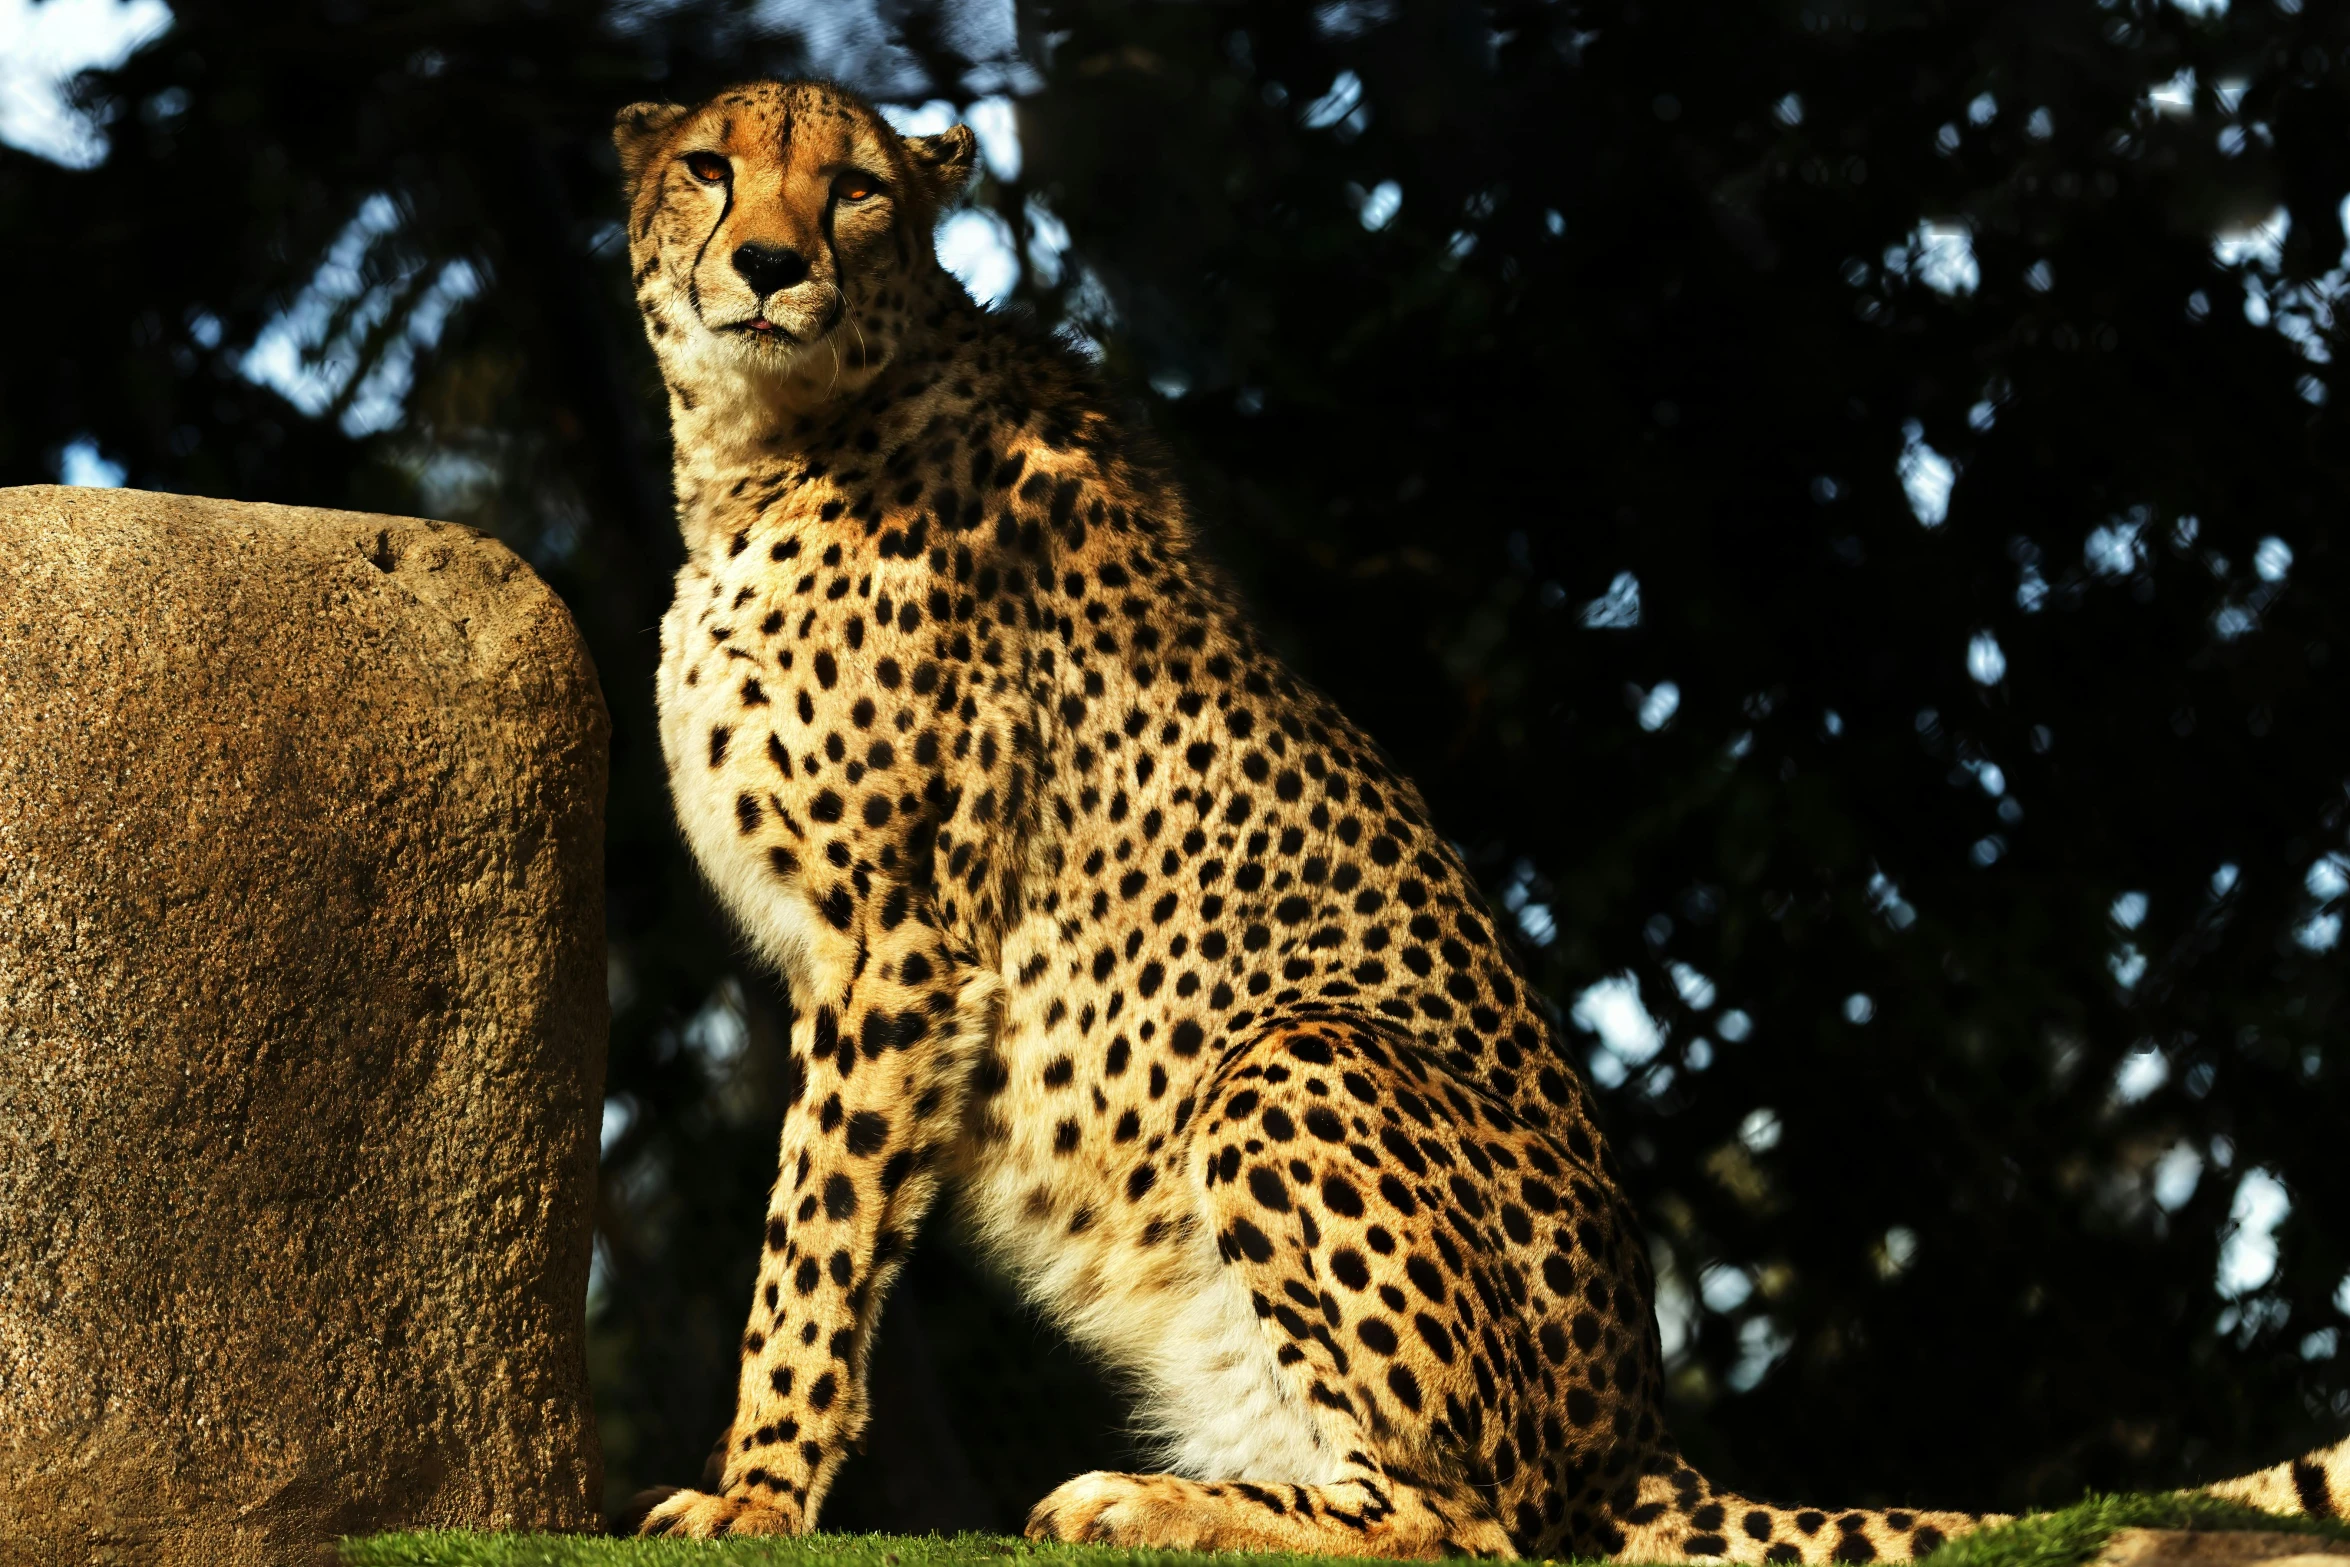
[879, 1069]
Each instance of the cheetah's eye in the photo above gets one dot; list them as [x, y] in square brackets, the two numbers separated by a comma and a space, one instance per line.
[707, 167]
[852, 186]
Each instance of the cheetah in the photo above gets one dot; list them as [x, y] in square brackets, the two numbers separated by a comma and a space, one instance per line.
[1097, 919]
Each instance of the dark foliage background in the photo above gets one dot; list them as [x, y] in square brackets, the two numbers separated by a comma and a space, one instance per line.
[1978, 876]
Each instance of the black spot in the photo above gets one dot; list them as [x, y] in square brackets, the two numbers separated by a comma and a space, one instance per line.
[821, 1391]
[1854, 1547]
[1253, 1244]
[1269, 1189]
[1404, 1386]
[1340, 1196]
[1376, 1335]
[719, 735]
[868, 1130]
[2310, 1482]
[840, 1197]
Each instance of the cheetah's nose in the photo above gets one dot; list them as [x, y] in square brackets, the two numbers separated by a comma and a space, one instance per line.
[769, 267]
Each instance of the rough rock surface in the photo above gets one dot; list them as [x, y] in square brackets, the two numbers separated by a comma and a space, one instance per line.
[302, 1029]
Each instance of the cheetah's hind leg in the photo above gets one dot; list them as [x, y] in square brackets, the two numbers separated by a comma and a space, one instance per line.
[1372, 1325]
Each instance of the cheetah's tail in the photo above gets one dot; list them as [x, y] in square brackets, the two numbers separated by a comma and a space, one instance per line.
[2317, 1484]
[1677, 1515]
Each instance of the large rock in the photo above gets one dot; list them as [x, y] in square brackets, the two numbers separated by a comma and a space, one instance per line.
[302, 1030]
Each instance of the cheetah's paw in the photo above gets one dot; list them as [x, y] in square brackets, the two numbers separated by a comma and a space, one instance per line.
[1121, 1509]
[697, 1515]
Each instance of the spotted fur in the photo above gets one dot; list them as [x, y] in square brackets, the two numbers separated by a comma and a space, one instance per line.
[1095, 915]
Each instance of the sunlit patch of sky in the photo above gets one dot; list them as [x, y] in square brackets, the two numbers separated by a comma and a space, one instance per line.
[719, 1032]
[1946, 258]
[2176, 1175]
[1697, 992]
[1724, 1287]
[2176, 96]
[1986, 663]
[82, 463]
[310, 353]
[1628, 1036]
[2328, 879]
[1762, 1343]
[1521, 896]
[1342, 103]
[1885, 899]
[1926, 476]
[1676, 1303]
[2141, 1072]
[2248, 1253]
[1657, 705]
[2117, 547]
[1377, 207]
[42, 47]
[1618, 609]
[620, 1113]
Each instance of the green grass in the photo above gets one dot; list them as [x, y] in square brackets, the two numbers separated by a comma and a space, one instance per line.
[2074, 1534]
[2065, 1538]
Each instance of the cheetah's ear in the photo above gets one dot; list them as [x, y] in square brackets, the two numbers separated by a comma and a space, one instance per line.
[637, 133]
[944, 162]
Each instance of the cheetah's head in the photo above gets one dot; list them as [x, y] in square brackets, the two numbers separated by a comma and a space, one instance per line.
[781, 231]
